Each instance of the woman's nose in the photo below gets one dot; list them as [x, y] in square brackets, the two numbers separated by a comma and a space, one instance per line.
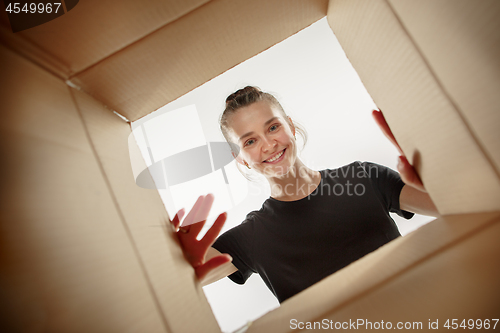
[268, 144]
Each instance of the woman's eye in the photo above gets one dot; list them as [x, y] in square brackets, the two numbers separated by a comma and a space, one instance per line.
[249, 142]
[273, 128]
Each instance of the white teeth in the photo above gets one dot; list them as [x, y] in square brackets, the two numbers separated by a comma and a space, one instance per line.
[275, 157]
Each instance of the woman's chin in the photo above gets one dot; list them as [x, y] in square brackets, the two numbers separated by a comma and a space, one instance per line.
[277, 171]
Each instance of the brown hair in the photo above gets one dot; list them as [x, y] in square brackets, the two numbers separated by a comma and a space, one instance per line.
[247, 96]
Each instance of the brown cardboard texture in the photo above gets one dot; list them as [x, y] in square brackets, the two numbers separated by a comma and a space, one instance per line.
[82, 248]
[95, 31]
[67, 262]
[417, 92]
[137, 57]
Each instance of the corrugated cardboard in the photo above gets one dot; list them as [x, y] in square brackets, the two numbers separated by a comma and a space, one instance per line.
[461, 44]
[188, 52]
[72, 215]
[172, 279]
[94, 31]
[136, 57]
[454, 162]
[66, 262]
[82, 248]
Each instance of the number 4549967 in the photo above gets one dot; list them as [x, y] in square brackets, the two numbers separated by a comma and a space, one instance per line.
[33, 7]
[471, 324]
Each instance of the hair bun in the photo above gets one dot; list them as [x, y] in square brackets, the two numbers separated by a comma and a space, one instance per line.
[244, 93]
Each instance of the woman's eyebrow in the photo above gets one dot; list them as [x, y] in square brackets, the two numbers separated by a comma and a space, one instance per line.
[270, 121]
[265, 124]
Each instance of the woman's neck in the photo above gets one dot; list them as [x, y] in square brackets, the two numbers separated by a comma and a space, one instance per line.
[298, 183]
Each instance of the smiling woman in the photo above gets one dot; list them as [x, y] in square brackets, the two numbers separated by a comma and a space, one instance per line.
[303, 232]
[315, 84]
[257, 123]
[262, 122]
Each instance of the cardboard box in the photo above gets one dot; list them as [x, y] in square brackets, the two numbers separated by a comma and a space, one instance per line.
[83, 248]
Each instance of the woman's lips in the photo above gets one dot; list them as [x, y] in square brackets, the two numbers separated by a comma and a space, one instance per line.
[276, 160]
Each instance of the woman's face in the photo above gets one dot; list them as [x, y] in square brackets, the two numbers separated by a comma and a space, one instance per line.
[265, 138]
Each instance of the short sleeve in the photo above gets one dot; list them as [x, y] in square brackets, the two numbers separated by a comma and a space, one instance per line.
[237, 242]
[388, 185]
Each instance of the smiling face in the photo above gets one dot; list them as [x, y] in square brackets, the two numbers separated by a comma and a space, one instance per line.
[265, 137]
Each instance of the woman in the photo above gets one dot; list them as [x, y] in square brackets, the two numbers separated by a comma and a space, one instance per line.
[314, 223]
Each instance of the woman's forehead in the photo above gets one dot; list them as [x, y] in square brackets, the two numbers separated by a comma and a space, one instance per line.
[253, 115]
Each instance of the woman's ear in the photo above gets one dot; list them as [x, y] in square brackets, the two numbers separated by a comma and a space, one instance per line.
[238, 158]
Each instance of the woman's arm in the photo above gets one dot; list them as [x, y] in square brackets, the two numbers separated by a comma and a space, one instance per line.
[416, 201]
[219, 272]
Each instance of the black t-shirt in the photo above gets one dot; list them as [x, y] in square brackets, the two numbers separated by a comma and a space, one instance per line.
[294, 244]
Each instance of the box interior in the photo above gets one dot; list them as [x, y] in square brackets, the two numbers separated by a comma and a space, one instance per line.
[78, 252]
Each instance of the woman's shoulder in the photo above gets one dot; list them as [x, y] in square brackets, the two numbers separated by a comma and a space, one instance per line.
[248, 223]
[343, 170]
[356, 166]
[258, 215]
[239, 232]
[346, 166]
[265, 214]
[357, 170]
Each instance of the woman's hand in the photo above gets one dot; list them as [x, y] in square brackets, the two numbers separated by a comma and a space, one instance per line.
[413, 198]
[195, 250]
[406, 170]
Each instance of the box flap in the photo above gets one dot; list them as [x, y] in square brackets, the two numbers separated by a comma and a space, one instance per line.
[460, 41]
[94, 30]
[173, 282]
[66, 262]
[428, 125]
[188, 52]
[136, 58]
[427, 274]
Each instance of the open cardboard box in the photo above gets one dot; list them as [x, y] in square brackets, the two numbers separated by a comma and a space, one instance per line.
[77, 252]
